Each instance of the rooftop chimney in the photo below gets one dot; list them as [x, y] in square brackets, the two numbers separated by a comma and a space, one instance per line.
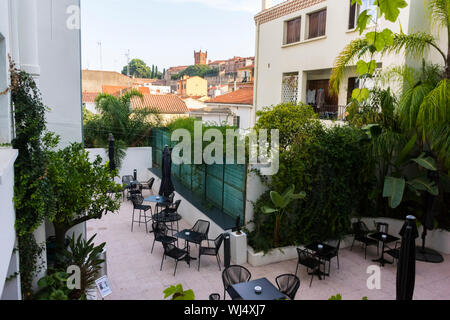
[266, 4]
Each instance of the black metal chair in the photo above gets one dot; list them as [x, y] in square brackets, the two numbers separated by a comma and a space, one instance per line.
[233, 275]
[394, 252]
[175, 253]
[211, 251]
[126, 182]
[214, 296]
[202, 227]
[160, 231]
[336, 244]
[148, 185]
[288, 284]
[382, 227]
[360, 232]
[162, 206]
[310, 261]
[137, 205]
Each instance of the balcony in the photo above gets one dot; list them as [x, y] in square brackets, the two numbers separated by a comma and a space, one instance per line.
[331, 112]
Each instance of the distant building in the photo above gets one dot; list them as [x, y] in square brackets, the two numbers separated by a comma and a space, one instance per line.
[192, 86]
[88, 101]
[201, 57]
[94, 80]
[169, 106]
[237, 105]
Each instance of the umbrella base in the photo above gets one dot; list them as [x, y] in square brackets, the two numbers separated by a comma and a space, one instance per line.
[428, 255]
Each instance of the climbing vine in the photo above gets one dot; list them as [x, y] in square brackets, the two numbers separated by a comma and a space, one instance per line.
[33, 198]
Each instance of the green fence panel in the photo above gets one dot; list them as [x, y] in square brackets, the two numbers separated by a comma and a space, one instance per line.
[198, 180]
[233, 202]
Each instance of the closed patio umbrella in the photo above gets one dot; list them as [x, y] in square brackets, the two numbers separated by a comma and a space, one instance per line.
[166, 188]
[406, 268]
[111, 153]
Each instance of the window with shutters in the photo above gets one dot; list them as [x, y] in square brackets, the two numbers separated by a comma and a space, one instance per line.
[237, 122]
[317, 24]
[292, 31]
[356, 9]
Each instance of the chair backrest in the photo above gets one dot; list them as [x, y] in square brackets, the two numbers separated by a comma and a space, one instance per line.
[360, 228]
[137, 199]
[304, 256]
[214, 296]
[382, 227]
[218, 242]
[288, 284]
[176, 205]
[160, 229]
[170, 198]
[151, 182]
[168, 247]
[202, 226]
[127, 179]
[235, 274]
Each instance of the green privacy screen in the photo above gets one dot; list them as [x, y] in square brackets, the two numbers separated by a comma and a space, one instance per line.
[219, 189]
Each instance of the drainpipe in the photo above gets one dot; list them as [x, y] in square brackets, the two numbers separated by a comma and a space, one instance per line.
[255, 84]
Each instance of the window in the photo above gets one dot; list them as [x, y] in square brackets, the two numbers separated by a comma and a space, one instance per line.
[293, 28]
[355, 11]
[237, 122]
[317, 24]
[289, 89]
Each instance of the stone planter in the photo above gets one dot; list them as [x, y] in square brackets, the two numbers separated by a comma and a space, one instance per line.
[238, 243]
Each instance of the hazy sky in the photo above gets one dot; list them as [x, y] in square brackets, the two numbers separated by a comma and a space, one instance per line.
[166, 32]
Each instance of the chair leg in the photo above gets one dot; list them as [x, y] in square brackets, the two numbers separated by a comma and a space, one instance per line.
[296, 269]
[312, 277]
[199, 255]
[338, 260]
[351, 249]
[162, 262]
[218, 262]
[153, 246]
[365, 252]
[176, 265]
[132, 222]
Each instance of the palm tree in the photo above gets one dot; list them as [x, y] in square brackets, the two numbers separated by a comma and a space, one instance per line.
[424, 105]
[130, 127]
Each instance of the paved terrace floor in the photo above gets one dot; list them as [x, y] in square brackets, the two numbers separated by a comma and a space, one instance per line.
[134, 272]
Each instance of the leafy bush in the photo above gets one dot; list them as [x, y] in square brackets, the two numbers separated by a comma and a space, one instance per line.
[177, 293]
[331, 166]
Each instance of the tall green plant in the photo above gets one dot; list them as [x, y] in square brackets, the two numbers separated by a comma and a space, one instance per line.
[280, 203]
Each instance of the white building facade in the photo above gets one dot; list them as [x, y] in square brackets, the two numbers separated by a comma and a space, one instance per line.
[297, 42]
[43, 39]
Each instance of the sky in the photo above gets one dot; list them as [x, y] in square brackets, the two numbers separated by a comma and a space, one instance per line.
[165, 32]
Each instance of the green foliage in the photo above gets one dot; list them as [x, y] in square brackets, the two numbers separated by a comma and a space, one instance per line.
[290, 119]
[85, 255]
[82, 189]
[139, 69]
[177, 293]
[196, 70]
[330, 165]
[53, 286]
[338, 297]
[130, 127]
[280, 203]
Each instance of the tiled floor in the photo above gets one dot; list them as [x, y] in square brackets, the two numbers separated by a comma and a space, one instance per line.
[134, 273]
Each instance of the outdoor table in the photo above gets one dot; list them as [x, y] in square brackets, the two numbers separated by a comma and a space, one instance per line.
[379, 237]
[166, 218]
[246, 290]
[192, 236]
[157, 199]
[321, 254]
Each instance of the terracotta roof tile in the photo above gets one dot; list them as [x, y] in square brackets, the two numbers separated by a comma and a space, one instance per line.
[114, 90]
[89, 97]
[241, 96]
[165, 104]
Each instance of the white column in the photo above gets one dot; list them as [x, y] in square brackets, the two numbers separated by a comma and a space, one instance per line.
[266, 4]
[28, 36]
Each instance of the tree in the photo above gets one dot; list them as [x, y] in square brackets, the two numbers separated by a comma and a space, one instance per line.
[130, 127]
[196, 70]
[81, 189]
[138, 69]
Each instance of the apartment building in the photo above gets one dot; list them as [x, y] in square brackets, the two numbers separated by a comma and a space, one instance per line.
[192, 86]
[43, 39]
[297, 42]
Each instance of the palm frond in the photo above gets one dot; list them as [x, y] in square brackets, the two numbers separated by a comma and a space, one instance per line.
[355, 49]
[439, 12]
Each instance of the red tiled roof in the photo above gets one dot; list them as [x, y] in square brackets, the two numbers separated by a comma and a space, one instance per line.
[113, 89]
[144, 90]
[283, 9]
[89, 97]
[241, 96]
[164, 104]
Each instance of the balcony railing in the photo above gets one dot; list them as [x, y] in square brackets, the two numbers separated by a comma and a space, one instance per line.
[330, 112]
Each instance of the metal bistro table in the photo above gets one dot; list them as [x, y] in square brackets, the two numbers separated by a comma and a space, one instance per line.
[321, 254]
[189, 236]
[246, 290]
[384, 238]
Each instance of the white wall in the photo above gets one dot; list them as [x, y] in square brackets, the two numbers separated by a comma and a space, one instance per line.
[7, 215]
[60, 63]
[136, 158]
[5, 114]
